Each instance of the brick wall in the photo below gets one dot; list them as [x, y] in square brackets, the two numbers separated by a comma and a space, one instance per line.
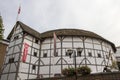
[3, 47]
[97, 76]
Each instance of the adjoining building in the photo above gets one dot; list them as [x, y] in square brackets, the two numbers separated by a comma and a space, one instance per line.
[117, 55]
[31, 54]
[3, 46]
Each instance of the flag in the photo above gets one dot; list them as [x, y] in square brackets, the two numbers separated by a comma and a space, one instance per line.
[54, 35]
[25, 52]
[19, 9]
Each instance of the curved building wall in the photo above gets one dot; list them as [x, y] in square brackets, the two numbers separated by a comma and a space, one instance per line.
[94, 54]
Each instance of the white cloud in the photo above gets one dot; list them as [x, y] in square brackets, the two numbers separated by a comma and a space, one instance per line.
[100, 16]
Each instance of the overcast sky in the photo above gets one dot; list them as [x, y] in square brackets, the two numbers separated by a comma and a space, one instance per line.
[99, 16]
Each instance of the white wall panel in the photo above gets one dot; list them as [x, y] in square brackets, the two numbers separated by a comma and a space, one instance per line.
[13, 67]
[68, 39]
[11, 43]
[24, 67]
[46, 41]
[32, 76]
[11, 76]
[45, 60]
[77, 39]
[99, 61]
[91, 59]
[100, 68]
[18, 41]
[4, 77]
[16, 49]
[96, 41]
[6, 60]
[44, 70]
[45, 46]
[36, 45]
[93, 68]
[89, 40]
[28, 42]
[33, 60]
[29, 37]
[78, 45]
[28, 58]
[88, 45]
[22, 76]
[10, 51]
[67, 44]
[97, 46]
[6, 69]
[55, 69]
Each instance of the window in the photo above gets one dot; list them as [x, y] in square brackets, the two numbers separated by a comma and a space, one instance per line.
[11, 60]
[79, 51]
[35, 54]
[33, 67]
[107, 57]
[44, 54]
[56, 54]
[16, 37]
[36, 41]
[69, 52]
[99, 55]
[89, 54]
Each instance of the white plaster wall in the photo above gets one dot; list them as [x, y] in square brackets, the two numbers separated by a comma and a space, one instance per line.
[16, 57]
[32, 76]
[33, 60]
[13, 67]
[6, 69]
[10, 51]
[44, 70]
[18, 41]
[78, 44]
[22, 76]
[27, 59]
[88, 45]
[45, 60]
[28, 37]
[24, 67]
[96, 46]
[11, 76]
[4, 77]
[16, 49]
[36, 45]
[77, 39]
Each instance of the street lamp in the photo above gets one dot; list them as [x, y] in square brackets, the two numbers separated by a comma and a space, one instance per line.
[70, 52]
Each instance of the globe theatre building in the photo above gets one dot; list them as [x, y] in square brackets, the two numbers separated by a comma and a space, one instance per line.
[31, 54]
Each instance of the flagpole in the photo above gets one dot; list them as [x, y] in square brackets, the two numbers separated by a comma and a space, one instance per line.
[19, 10]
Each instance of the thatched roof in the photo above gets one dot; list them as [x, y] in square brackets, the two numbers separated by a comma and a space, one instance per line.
[60, 32]
[26, 29]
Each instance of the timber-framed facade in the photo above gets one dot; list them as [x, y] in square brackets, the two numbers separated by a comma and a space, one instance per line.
[91, 50]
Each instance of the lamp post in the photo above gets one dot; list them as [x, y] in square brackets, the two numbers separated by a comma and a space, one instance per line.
[70, 52]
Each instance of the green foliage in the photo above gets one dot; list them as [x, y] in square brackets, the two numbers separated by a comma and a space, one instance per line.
[114, 65]
[1, 28]
[83, 70]
[68, 71]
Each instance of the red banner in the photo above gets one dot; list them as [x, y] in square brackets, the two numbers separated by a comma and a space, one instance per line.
[54, 43]
[25, 52]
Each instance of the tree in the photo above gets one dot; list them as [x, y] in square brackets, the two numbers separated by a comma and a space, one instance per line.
[1, 28]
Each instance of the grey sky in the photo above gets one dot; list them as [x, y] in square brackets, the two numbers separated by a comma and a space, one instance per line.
[99, 16]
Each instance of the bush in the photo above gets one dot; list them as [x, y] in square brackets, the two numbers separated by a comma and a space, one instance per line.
[83, 70]
[68, 71]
